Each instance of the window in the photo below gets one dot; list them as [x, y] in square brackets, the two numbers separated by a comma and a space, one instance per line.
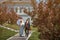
[16, 9]
[20, 10]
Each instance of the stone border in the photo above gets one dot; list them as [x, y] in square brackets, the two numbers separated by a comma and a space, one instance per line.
[11, 37]
[29, 35]
[9, 28]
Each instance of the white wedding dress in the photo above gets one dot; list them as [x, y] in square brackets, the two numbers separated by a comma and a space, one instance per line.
[23, 30]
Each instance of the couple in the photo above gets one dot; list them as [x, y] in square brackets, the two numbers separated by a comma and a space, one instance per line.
[24, 27]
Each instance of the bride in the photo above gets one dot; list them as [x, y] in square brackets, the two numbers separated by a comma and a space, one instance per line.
[22, 32]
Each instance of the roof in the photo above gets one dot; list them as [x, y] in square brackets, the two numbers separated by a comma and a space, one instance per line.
[16, 2]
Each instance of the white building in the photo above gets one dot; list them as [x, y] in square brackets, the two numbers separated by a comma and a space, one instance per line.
[18, 6]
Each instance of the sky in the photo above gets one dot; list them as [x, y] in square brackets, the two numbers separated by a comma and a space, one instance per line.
[37, 1]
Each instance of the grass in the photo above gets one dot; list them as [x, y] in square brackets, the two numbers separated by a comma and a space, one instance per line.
[5, 34]
[35, 34]
[13, 26]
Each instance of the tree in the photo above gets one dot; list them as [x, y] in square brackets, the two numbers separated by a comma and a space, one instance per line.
[12, 16]
[5, 16]
[48, 20]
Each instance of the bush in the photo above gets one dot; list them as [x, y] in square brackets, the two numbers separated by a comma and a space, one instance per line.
[48, 20]
[5, 16]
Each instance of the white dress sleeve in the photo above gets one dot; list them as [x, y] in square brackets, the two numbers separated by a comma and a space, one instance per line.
[18, 22]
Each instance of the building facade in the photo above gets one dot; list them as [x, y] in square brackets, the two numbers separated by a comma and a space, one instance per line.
[19, 6]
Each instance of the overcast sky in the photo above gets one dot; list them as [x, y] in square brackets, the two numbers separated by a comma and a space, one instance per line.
[37, 1]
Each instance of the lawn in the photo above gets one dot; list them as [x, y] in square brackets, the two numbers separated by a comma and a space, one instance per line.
[13, 26]
[5, 34]
[35, 34]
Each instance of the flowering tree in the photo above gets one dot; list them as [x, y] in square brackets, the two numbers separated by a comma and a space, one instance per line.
[12, 16]
[5, 16]
[47, 20]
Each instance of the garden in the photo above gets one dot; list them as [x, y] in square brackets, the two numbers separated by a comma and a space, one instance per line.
[45, 16]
